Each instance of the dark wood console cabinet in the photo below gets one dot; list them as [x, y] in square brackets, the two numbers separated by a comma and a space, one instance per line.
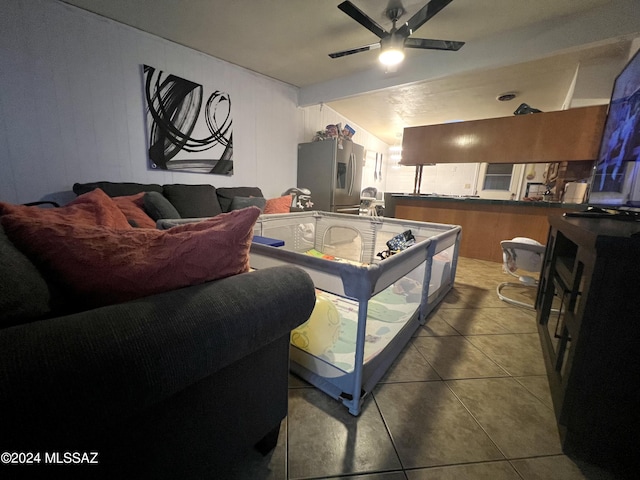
[588, 314]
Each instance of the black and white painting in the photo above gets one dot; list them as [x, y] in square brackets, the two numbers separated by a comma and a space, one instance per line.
[188, 126]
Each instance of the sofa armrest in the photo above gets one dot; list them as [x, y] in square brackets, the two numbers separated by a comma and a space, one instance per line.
[167, 223]
[115, 361]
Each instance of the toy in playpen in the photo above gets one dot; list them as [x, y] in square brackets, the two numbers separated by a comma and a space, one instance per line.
[321, 331]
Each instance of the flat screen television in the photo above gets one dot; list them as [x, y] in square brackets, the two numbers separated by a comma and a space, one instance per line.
[615, 182]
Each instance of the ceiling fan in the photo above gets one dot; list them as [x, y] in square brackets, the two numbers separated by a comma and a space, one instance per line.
[392, 43]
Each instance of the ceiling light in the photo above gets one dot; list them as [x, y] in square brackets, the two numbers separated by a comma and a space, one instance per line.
[391, 56]
[392, 50]
[505, 97]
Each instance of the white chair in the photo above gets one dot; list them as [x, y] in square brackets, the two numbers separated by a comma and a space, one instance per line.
[521, 255]
[368, 202]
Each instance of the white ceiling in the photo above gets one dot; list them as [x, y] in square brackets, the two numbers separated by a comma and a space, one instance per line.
[533, 48]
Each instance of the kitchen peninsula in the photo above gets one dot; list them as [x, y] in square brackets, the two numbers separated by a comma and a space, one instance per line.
[485, 223]
[569, 138]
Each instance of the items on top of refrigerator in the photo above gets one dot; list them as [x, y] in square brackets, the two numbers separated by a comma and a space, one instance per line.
[335, 131]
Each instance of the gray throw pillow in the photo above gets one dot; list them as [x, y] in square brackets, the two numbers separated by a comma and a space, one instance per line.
[158, 207]
[24, 293]
[227, 194]
[193, 201]
[243, 202]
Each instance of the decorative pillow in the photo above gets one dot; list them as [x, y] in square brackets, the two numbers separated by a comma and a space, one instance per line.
[193, 201]
[227, 194]
[243, 202]
[279, 205]
[157, 206]
[93, 208]
[103, 266]
[133, 209]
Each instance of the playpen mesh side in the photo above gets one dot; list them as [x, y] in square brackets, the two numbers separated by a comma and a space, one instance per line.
[338, 235]
[374, 232]
[297, 231]
[322, 232]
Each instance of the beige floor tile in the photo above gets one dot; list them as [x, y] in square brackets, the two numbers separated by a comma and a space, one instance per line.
[474, 295]
[376, 476]
[410, 366]
[514, 319]
[456, 357]
[538, 385]
[473, 321]
[519, 423]
[518, 354]
[435, 326]
[475, 471]
[560, 467]
[429, 426]
[326, 440]
[297, 382]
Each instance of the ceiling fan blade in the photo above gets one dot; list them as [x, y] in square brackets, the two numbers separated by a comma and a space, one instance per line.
[424, 14]
[365, 48]
[433, 44]
[363, 19]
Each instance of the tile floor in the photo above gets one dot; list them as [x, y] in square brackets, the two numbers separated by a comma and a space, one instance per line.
[467, 399]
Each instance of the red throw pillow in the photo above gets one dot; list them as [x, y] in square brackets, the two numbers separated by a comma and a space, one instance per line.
[103, 265]
[92, 208]
[279, 205]
[132, 206]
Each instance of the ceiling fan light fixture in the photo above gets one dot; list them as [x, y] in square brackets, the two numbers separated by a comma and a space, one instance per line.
[391, 50]
[391, 56]
[393, 42]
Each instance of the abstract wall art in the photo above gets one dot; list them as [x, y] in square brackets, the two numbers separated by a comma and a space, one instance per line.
[189, 127]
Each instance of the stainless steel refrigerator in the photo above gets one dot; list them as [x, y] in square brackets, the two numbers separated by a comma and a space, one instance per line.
[332, 171]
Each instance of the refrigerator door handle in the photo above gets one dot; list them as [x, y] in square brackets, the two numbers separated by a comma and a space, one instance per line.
[352, 172]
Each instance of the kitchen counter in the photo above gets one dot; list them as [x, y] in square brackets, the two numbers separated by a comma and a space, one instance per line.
[486, 201]
[485, 222]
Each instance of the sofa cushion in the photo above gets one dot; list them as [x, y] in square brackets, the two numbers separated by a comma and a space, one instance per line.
[279, 204]
[157, 206]
[116, 189]
[132, 206]
[193, 201]
[227, 194]
[24, 294]
[93, 208]
[102, 265]
[243, 202]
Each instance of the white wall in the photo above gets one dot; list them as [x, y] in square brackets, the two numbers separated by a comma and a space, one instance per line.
[399, 179]
[442, 178]
[71, 107]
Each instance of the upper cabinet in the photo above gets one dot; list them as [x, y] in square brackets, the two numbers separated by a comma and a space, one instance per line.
[566, 135]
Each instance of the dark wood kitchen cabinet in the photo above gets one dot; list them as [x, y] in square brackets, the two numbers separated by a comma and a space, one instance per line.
[588, 314]
[565, 135]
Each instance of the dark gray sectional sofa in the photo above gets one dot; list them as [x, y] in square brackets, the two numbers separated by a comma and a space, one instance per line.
[188, 201]
[174, 385]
